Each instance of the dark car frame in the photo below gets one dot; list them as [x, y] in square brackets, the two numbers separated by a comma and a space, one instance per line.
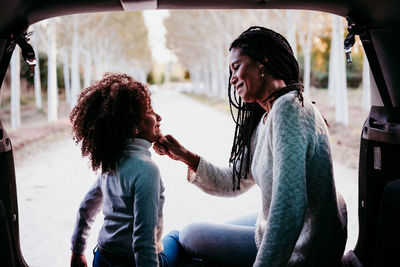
[378, 25]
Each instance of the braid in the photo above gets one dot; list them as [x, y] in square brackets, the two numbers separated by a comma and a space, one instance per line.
[273, 51]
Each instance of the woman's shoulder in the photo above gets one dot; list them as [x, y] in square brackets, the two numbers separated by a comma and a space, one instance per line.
[290, 104]
[286, 105]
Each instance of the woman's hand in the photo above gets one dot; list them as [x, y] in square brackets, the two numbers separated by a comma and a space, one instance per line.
[168, 145]
[78, 260]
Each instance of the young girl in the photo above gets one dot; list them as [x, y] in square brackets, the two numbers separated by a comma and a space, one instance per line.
[116, 125]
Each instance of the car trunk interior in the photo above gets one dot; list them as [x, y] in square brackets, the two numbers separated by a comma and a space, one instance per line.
[379, 169]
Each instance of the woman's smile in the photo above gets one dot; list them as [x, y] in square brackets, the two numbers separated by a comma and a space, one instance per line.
[239, 88]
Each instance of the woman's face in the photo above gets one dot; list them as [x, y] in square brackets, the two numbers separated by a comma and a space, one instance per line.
[150, 129]
[246, 76]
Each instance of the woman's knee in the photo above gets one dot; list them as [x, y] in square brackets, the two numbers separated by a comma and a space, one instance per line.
[193, 236]
[189, 233]
[220, 243]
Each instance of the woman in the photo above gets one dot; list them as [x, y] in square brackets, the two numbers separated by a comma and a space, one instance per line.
[116, 125]
[281, 144]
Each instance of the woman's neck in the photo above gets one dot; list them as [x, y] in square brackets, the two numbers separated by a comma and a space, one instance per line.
[272, 86]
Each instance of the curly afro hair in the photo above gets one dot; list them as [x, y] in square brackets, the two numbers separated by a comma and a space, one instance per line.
[107, 113]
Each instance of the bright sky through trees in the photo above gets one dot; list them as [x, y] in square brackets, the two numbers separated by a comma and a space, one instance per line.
[157, 31]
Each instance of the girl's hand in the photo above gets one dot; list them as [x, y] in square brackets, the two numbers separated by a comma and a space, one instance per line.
[78, 260]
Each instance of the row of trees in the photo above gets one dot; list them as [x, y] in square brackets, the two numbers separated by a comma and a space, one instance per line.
[86, 46]
[200, 40]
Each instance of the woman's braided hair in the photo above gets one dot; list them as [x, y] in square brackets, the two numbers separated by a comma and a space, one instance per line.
[106, 115]
[273, 51]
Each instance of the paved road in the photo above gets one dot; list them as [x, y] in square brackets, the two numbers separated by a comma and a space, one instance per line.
[52, 181]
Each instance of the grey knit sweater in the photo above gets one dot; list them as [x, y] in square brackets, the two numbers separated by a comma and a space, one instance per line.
[132, 198]
[300, 223]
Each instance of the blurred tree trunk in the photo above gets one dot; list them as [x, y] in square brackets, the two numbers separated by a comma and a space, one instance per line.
[195, 78]
[98, 61]
[332, 66]
[291, 30]
[75, 75]
[15, 70]
[167, 72]
[210, 78]
[88, 69]
[67, 81]
[305, 40]
[52, 95]
[222, 66]
[288, 17]
[37, 82]
[214, 77]
[337, 72]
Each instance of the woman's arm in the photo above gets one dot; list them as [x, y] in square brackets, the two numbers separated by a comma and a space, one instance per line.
[211, 179]
[88, 210]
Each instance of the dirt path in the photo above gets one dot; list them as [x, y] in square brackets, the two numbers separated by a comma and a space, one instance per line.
[53, 179]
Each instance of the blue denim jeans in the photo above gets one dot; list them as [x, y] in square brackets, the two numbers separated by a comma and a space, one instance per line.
[173, 251]
[170, 257]
[230, 244]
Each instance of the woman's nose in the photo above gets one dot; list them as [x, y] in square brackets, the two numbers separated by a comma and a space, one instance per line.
[233, 80]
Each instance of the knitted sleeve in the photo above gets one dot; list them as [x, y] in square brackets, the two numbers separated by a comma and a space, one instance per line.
[288, 200]
[88, 210]
[218, 181]
[146, 191]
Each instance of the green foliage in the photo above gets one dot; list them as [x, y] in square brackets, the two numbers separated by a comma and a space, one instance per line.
[150, 78]
[320, 62]
[186, 75]
[155, 77]
[43, 72]
[60, 76]
[354, 70]
[320, 65]
[175, 78]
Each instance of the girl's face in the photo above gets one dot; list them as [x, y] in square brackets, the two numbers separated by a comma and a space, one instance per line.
[246, 76]
[150, 129]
